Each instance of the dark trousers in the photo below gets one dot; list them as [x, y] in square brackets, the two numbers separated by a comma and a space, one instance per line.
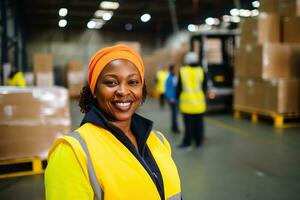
[194, 129]
[174, 113]
[162, 101]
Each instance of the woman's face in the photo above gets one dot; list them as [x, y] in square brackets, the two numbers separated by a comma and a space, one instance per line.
[119, 90]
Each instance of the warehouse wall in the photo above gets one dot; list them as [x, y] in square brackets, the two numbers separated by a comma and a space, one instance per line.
[80, 45]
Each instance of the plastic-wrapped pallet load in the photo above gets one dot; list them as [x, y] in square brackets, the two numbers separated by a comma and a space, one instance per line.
[31, 119]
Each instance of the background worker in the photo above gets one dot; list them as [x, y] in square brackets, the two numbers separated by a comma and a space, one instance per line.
[114, 154]
[171, 97]
[16, 78]
[191, 90]
[160, 79]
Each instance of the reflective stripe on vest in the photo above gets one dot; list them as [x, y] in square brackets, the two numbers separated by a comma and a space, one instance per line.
[192, 99]
[175, 197]
[160, 137]
[92, 175]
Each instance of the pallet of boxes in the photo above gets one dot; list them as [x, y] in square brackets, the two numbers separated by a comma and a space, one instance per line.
[31, 119]
[267, 65]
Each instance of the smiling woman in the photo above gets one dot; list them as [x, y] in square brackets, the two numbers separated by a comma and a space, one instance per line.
[114, 154]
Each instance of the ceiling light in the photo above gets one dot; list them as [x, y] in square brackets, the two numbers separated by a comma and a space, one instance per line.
[98, 23]
[62, 23]
[192, 28]
[109, 5]
[235, 19]
[226, 18]
[91, 24]
[145, 17]
[234, 12]
[63, 12]
[99, 13]
[254, 12]
[128, 27]
[210, 21]
[244, 13]
[107, 16]
[255, 4]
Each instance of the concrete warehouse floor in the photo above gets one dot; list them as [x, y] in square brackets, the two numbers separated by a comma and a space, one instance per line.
[239, 160]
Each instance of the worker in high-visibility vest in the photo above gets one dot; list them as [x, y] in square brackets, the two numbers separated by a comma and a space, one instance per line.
[191, 91]
[115, 153]
[161, 78]
[16, 78]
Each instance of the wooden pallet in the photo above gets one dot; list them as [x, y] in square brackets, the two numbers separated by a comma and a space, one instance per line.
[280, 120]
[22, 167]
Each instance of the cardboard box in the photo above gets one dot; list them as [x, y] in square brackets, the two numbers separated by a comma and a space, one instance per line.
[42, 62]
[291, 29]
[283, 96]
[132, 44]
[282, 7]
[281, 61]
[241, 65]
[271, 61]
[150, 70]
[75, 65]
[269, 6]
[76, 81]
[255, 96]
[75, 77]
[214, 51]
[44, 79]
[31, 119]
[20, 141]
[240, 91]
[262, 29]
[289, 8]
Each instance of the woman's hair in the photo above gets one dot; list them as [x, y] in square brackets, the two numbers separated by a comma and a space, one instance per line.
[87, 99]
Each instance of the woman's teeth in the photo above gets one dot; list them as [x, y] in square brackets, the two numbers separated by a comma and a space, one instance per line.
[123, 104]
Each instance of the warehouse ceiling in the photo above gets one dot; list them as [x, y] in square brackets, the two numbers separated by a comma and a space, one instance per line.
[38, 14]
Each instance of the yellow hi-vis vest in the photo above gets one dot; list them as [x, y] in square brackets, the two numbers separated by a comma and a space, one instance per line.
[192, 98]
[101, 167]
[17, 80]
[162, 76]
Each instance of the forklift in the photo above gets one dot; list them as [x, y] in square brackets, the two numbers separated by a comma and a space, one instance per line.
[216, 56]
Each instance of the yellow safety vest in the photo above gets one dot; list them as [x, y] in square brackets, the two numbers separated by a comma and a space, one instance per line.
[192, 98]
[162, 76]
[17, 80]
[108, 169]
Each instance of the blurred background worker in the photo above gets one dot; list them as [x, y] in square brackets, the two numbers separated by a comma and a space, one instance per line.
[161, 77]
[170, 95]
[191, 90]
[16, 78]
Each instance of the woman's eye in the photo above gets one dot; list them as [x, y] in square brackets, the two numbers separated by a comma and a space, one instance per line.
[133, 82]
[111, 83]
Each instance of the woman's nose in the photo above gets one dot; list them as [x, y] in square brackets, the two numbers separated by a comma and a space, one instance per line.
[123, 90]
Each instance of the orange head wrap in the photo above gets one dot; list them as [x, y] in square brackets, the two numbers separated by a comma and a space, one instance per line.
[108, 54]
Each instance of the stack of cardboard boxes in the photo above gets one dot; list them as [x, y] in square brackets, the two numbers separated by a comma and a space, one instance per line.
[31, 119]
[75, 76]
[43, 69]
[267, 65]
